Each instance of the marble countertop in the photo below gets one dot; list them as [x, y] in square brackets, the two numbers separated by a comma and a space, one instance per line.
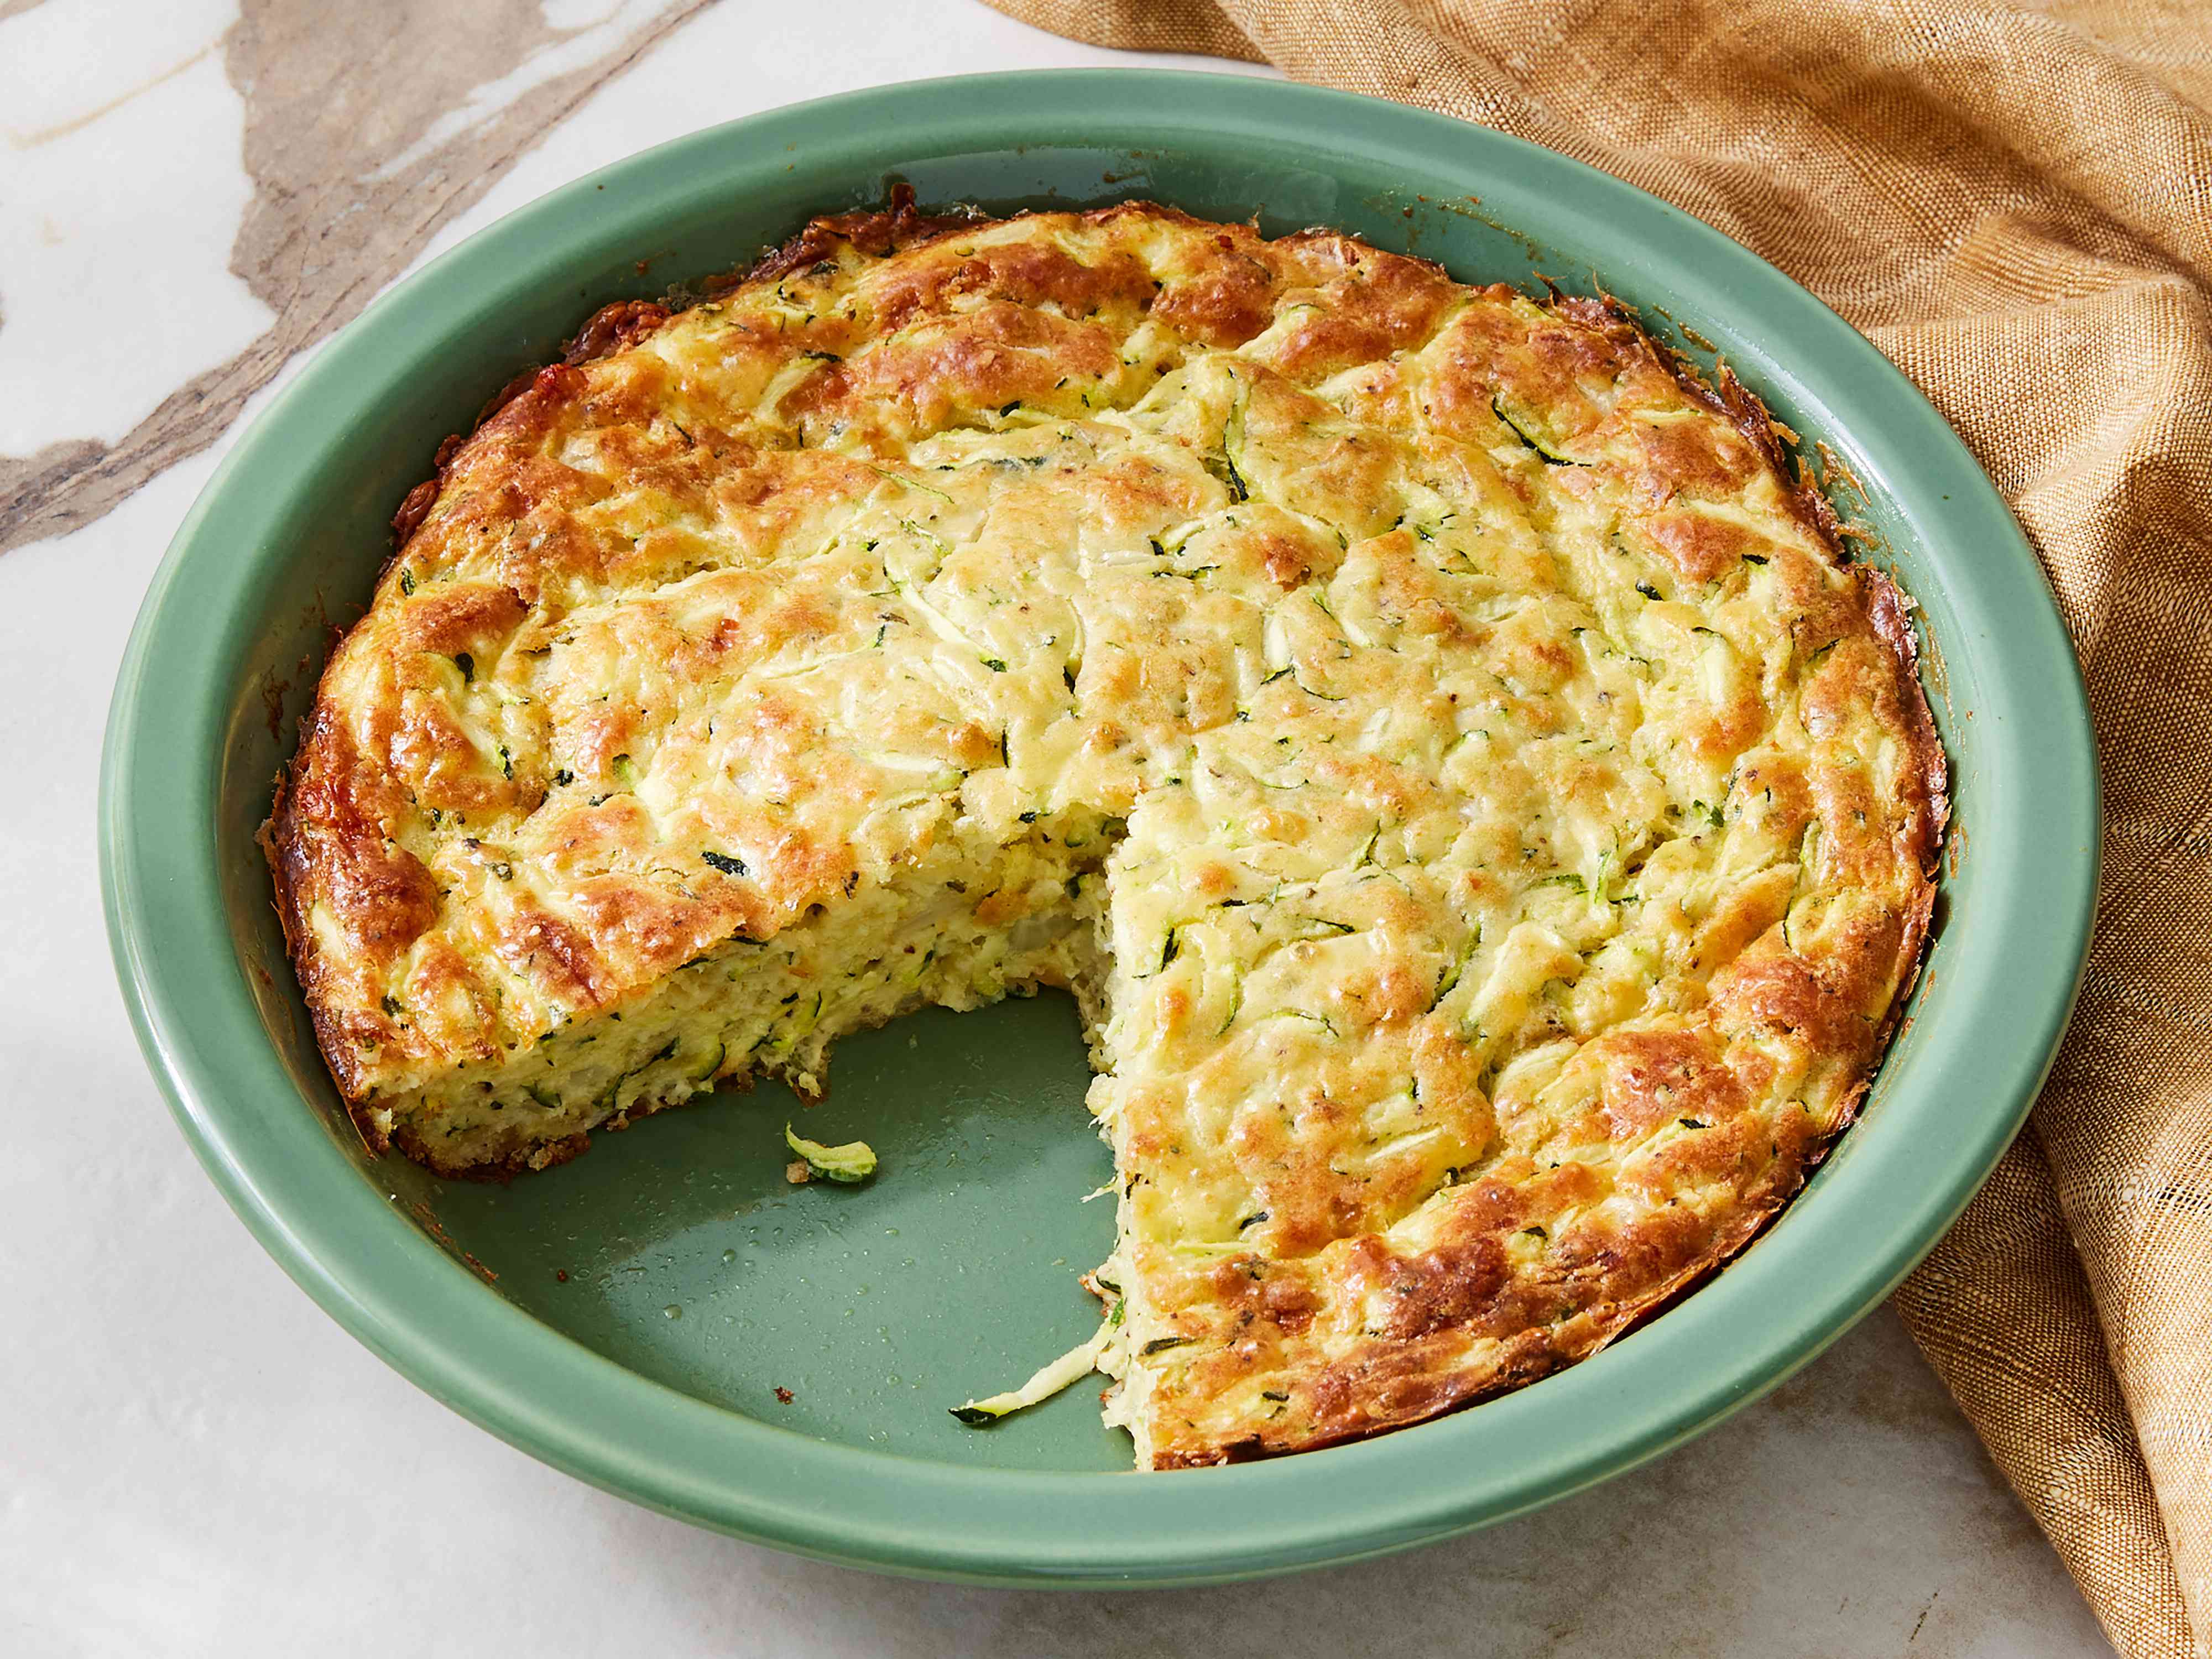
[193, 1460]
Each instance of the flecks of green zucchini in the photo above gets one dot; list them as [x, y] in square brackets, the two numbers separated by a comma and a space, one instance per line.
[911, 483]
[1524, 428]
[1321, 1020]
[612, 1098]
[1072, 1366]
[1232, 442]
[1452, 975]
[850, 1163]
[712, 1063]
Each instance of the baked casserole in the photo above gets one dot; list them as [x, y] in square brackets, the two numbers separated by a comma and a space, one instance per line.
[1487, 824]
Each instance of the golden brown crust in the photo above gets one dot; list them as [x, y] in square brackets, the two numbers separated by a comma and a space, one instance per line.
[876, 233]
[1532, 818]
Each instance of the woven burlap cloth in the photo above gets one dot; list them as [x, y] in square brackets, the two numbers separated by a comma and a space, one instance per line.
[2014, 202]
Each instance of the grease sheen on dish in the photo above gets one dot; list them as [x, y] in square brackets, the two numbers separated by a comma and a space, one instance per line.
[1488, 824]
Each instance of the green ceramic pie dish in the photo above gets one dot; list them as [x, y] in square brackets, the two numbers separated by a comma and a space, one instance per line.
[638, 1317]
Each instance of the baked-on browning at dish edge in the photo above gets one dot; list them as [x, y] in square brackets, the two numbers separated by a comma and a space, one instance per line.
[1488, 825]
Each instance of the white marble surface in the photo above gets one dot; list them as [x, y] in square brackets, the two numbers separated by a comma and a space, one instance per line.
[193, 1460]
[121, 137]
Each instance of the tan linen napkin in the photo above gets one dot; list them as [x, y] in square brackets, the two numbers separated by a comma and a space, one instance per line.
[2014, 202]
